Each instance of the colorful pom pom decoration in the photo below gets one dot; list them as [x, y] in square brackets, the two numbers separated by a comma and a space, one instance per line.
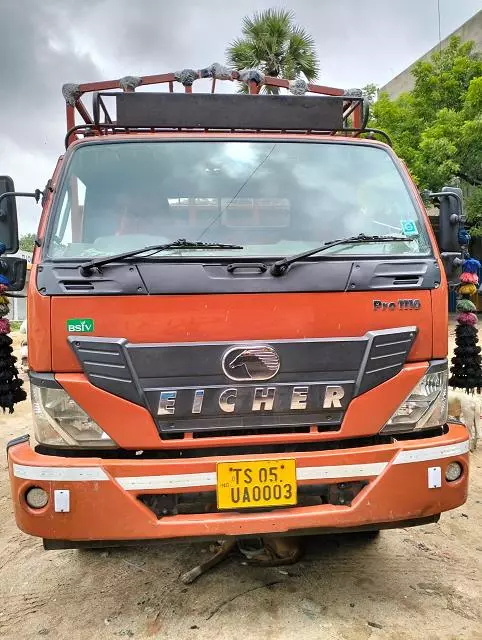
[467, 318]
[468, 289]
[466, 305]
[471, 265]
[466, 369]
[469, 278]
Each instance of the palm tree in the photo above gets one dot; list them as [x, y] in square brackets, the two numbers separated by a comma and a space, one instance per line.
[273, 43]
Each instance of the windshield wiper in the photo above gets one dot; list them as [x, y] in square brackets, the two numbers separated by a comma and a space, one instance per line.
[87, 267]
[280, 267]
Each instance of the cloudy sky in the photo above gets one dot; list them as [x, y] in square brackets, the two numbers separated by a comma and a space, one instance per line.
[45, 43]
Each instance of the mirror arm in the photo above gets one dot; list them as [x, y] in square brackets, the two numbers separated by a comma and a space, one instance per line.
[447, 194]
[12, 194]
[457, 260]
[452, 260]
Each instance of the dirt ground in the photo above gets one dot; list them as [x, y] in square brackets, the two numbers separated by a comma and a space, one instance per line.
[408, 584]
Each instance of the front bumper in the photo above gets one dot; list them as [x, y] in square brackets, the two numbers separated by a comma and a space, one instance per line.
[102, 501]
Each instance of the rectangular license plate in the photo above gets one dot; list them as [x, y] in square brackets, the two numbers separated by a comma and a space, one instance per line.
[258, 483]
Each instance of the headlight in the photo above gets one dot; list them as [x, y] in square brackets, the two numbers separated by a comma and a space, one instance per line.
[426, 406]
[60, 422]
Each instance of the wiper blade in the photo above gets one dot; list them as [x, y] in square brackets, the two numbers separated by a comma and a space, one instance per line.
[87, 267]
[280, 267]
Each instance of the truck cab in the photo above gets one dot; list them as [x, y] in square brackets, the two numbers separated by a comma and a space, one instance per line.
[237, 319]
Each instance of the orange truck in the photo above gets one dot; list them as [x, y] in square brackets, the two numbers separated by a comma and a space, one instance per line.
[237, 321]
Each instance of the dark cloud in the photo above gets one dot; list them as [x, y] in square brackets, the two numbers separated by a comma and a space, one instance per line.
[44, 43]
[39, 58]
[35, 57]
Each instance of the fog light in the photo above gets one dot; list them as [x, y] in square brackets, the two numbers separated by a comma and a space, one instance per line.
[36, 498]
[453, 471]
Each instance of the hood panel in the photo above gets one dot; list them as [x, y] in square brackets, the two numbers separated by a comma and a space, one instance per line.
[241, 317]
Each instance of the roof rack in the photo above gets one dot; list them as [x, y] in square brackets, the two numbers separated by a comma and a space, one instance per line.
[335, 111]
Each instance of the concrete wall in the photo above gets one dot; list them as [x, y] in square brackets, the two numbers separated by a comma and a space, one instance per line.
[470, 30]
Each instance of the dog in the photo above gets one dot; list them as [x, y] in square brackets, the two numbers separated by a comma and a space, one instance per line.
[467, 408]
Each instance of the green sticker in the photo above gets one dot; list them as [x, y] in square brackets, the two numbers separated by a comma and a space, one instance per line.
[80, 325]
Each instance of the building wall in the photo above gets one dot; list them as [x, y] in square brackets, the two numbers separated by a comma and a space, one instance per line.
[470, 30]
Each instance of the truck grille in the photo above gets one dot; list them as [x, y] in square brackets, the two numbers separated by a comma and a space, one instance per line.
[221, 389]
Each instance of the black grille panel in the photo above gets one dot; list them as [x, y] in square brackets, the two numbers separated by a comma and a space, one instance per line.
[386, 356]
[348, 367]
[105, 362]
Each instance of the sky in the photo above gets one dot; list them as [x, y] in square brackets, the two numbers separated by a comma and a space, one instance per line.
[46, 43]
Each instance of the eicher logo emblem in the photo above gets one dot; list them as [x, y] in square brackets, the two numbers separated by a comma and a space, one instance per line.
[251, 363]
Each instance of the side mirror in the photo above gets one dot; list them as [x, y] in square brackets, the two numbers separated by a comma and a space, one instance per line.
[15, 270]
[8, 215]
[450, 217]
[8, 212]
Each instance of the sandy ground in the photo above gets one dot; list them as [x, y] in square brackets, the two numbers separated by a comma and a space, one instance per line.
[408, 584]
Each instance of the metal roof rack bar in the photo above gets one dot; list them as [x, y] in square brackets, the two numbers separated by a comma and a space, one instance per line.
[354, 110]
[101, 129]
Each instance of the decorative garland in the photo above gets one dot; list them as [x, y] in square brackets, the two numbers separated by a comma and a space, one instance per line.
[466, 364]
[11, 391]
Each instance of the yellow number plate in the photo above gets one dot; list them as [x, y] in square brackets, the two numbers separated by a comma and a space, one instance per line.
[260, 483]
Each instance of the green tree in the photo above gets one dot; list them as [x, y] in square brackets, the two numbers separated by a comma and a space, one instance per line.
[370, 92]
[437, 127]
[273, 43]
[27, 242]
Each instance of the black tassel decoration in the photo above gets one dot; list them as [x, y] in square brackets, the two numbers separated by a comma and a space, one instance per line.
[11, 390]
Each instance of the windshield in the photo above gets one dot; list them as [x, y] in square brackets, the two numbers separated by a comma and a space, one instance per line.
[273, 198]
